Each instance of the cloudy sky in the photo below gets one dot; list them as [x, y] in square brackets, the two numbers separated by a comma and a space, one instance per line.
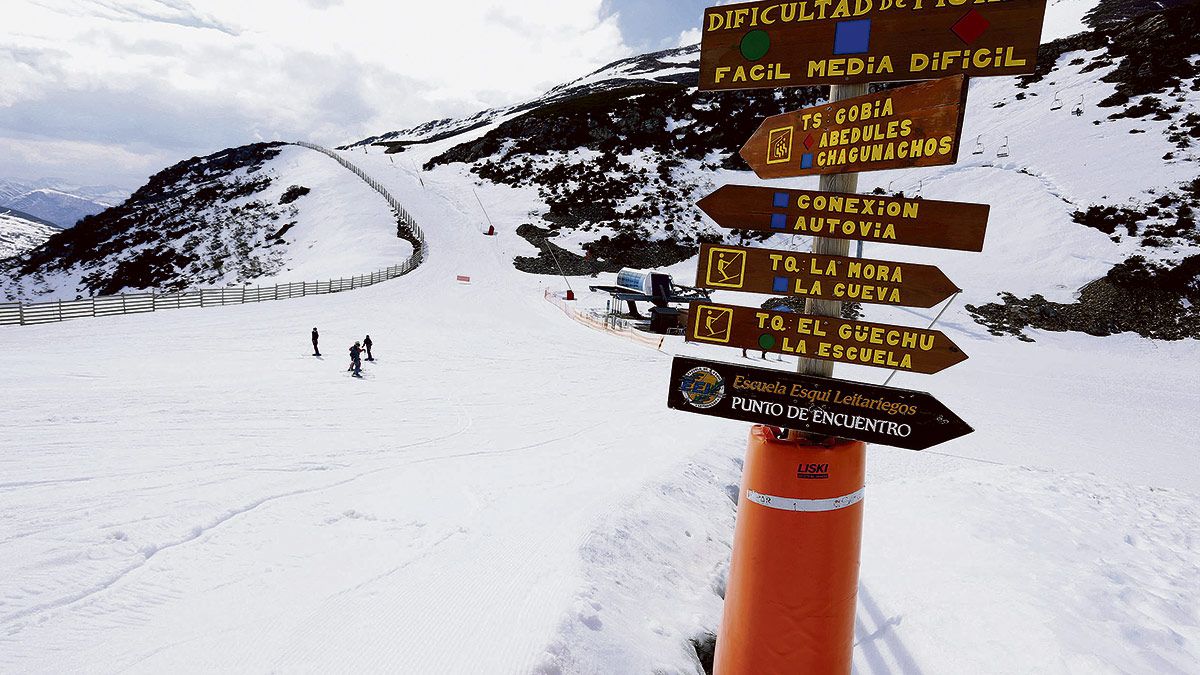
[110, 91]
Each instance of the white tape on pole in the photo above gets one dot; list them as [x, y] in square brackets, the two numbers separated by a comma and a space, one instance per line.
[806, 505]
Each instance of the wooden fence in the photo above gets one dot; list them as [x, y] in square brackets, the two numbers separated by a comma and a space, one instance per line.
[27, 314]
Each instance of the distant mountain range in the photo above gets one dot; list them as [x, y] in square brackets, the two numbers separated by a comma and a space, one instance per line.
[58, 202]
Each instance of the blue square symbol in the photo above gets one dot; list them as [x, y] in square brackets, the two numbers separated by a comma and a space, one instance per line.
[806, 160]
[781, 285]
[778, 221]
[852, 37]
[781, 200]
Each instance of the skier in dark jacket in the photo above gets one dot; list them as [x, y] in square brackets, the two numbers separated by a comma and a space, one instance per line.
[315, 336]
[355, 360]
[367, 346]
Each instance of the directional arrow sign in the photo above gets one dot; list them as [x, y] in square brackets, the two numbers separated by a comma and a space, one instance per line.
[912, 126]
[826, 277]
[825, 338]
[892, 220]
[884, 415]
[788, 44]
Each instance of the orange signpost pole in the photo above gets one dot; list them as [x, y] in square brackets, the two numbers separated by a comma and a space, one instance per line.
[793, 579]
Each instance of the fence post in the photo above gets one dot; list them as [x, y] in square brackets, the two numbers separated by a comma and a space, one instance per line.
[123, 311]
[60, 311]
[21, 312]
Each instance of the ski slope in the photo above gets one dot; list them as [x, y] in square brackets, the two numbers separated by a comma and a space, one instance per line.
[506, 492]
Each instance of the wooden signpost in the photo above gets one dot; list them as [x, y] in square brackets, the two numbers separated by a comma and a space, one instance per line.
[905, 419]
[826, 338]
[793, 575]
[827, 277]
[876, 218]
[787, 44]
[917, 125]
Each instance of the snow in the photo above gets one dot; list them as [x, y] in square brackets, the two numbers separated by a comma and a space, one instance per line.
[506, 491]
[18, 234]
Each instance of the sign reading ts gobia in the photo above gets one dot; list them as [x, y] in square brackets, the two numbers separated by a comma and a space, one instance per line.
[825, 338]
[787, 44]
[873, 414]
[877, 218]
[913, 126]
[825, 277]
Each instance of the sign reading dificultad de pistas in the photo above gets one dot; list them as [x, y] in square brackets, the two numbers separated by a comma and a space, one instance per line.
[818, 405]
[789, 44]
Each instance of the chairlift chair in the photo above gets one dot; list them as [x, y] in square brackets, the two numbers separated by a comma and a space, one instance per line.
[978, 145]
[1078, 107]
[1003, 151]
[1057, 103]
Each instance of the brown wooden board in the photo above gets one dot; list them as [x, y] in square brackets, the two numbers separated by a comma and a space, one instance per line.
[877, 218]
[819, 405]
[917, 125]
[825, 338]
[788, 44]
[826, 277]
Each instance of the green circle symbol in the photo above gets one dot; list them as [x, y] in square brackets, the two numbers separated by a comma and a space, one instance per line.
[766, 341]
[755, 45]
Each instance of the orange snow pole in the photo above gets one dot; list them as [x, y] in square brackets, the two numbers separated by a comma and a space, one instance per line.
[793, 580]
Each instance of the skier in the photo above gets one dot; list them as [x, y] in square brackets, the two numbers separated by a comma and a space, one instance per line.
[316, 352]
[355, 362]
[367, 346]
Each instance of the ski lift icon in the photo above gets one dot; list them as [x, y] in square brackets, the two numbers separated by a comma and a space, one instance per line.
[1057, 103]
[1078, 107]
[978, 145]
[1003, 151]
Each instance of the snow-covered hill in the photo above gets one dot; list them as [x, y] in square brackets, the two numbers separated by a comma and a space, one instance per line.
[20, 232]
[1105, 133]
[264, 213]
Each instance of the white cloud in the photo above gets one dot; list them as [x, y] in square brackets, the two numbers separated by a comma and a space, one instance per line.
[688, 38]
[182, 78]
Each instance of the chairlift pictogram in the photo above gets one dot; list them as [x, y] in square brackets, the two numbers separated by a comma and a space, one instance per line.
[1003, 151]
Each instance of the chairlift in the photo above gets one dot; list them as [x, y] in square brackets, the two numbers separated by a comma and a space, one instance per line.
[920, 187]
[978, 145]
[1003, 151]
[1078, 107]
[1057, 103]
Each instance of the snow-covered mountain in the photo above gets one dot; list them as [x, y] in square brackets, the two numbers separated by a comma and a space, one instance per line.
[57, 201]
[251, 214]
[60, 208]
[618, 159]
[21, 232]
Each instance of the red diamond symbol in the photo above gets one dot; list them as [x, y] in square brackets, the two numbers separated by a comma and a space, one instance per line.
[808, 142]
[970, 27]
